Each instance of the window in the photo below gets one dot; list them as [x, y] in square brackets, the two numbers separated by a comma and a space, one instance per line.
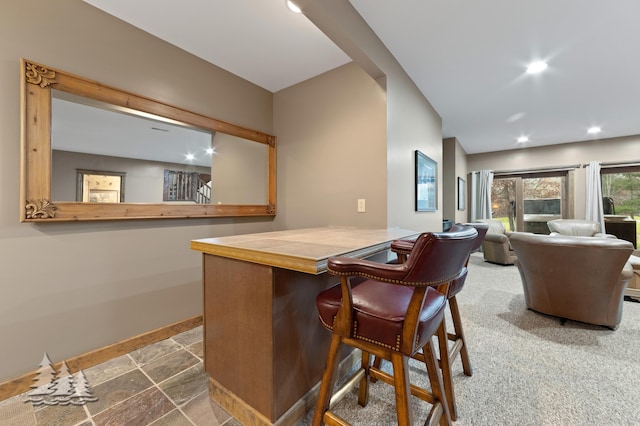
[623, 188]
[526, 202]
[621, 198]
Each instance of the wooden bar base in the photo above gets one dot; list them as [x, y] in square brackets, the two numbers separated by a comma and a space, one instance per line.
[247, 415]
[264, 346]
[263, 340]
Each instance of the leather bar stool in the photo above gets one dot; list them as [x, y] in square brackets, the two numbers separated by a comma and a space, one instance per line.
[393, 315]
[403, 248]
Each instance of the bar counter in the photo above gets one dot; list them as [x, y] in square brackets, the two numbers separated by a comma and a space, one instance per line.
[264, 347]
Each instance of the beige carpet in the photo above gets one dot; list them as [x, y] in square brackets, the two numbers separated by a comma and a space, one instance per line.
[528, 369]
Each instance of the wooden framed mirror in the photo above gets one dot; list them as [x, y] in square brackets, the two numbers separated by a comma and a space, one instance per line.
[231, 170]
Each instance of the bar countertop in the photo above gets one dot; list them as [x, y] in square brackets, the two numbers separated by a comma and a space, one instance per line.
[304, 250]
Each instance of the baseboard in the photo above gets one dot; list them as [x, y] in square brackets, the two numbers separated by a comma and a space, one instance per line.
[22, 383]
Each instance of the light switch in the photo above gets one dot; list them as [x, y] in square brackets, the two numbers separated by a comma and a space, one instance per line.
[361, 205]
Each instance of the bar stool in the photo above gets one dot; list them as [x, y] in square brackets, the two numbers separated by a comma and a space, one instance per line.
[403, 248]
[392, 315]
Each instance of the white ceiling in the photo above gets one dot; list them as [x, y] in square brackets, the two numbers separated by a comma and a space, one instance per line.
[468, 57]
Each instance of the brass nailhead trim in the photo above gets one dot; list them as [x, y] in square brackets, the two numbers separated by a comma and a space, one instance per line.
[355, 336]
[407, 283]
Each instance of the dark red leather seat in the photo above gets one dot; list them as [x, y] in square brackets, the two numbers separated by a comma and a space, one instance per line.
[379, 310]
[393, 314]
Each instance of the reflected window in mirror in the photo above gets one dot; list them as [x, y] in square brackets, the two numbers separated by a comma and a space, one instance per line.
[186, 186]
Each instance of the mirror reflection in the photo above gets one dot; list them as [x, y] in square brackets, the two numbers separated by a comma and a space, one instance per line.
[160, 161]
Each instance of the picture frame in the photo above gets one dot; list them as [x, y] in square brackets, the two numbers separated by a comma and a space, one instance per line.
[104, 196]
[462, 196]
[426, 183]
[99, 186]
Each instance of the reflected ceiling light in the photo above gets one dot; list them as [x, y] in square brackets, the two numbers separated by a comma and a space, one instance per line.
[536, 67]
[292, 6]
[515, 117]
[523, 139]
[190, 157]
[593, 130]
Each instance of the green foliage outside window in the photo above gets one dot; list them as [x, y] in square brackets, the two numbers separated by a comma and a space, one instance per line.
[624, 189]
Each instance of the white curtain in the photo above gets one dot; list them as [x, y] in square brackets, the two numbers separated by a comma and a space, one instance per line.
[593, 208]
[481, 194]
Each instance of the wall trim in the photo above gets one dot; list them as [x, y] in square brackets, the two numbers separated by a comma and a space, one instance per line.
[22, 383]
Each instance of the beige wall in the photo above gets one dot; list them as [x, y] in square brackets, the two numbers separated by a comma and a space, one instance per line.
[454, 167]
[331, 151]
[411, 123]
[68, 288]
[603, 150]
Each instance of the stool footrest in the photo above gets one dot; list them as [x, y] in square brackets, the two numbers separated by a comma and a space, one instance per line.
[415, 390]
[434, 415]
[331, 419]
[455, 350]
[344, 389]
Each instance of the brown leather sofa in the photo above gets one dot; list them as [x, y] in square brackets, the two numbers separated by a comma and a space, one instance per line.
[577, 228]
[495, 246]
[577, 278]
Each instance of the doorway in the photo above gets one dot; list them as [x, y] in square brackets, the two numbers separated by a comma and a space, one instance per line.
[526, 202]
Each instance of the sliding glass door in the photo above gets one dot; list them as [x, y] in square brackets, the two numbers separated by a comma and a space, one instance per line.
[527, 201]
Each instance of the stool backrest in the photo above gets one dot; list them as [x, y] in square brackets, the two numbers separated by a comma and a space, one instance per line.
[439, 256]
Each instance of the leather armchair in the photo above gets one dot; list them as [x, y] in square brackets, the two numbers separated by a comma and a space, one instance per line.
[577, 278]
[634, 284]
[496, 246]
[577, 228]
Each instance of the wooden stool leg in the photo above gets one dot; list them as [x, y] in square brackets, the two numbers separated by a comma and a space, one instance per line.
[328, 381]
[445, 365]
[403, 393]
[363, 389]
[436, 384]
[457, 327]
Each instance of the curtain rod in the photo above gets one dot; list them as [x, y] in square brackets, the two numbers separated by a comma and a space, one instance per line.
[539, 169]
[618, 164]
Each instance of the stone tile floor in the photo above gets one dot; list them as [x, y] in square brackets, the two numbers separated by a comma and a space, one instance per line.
[161, 384]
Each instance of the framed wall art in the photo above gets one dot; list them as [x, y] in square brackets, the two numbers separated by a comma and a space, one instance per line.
[462, 196]
[426, 185]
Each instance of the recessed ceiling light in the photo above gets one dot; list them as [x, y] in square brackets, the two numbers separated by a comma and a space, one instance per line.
[190, 157]
[593, 130]
[536, 67]
[292, 6]
[523, 139]
[209, 151]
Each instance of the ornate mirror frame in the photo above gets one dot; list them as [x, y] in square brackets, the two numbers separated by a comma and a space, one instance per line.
[36, 168]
